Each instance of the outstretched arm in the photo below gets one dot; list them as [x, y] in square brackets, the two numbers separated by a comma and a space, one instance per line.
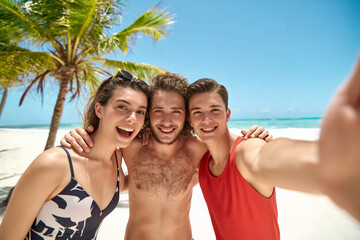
[340, 146]
[284, 163]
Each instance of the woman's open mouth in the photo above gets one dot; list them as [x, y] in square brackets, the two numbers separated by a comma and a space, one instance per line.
[125, 132]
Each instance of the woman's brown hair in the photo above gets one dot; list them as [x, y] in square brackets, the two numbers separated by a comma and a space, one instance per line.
[105, 92]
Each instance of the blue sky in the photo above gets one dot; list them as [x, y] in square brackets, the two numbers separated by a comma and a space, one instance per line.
[278, 59]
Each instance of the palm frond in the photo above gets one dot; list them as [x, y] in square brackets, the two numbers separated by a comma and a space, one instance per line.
[10, 47]
[142, 70]
[24, 60]
[38, 78]
[92, 79]
[10, 81]
[8, 37]
[78, 87]
[16, 15]
[85, 24]
[89, 23]
[153, 23]
[41, 84]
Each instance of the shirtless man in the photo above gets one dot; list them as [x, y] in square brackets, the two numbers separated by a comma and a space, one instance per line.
[162, 174]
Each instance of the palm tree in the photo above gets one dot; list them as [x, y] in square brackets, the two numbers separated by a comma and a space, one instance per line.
[69, 40]
[15, 69]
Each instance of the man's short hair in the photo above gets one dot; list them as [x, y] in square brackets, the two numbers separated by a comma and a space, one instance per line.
[208, 85]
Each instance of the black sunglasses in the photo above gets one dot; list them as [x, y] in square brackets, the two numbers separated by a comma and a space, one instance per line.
[126, 75]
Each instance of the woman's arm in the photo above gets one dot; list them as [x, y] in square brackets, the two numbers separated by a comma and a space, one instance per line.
[33, 189]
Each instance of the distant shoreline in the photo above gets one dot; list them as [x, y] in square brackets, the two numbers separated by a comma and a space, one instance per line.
[41, 126]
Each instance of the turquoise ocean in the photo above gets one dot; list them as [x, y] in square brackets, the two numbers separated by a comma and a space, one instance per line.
[274, 123]
[277, 123]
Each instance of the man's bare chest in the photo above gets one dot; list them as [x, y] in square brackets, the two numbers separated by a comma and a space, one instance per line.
[155, 174]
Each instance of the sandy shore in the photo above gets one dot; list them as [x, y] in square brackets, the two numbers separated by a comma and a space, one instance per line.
[301, 216]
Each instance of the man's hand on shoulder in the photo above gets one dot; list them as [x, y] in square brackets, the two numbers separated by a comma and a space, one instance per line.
[79, 139]
[257, 132]
[144, 135]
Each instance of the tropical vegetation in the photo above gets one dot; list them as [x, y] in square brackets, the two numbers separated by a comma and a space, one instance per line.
[68, 43]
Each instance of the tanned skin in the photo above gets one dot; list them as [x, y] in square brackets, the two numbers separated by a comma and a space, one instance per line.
[162, 174]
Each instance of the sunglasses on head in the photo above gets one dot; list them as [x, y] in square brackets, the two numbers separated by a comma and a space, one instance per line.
[126, 75]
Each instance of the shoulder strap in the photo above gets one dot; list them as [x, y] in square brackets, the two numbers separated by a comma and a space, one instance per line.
[117, 165]
[70, 162]
[204, 166]
[236, 143]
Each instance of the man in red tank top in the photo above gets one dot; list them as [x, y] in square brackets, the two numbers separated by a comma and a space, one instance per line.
[238, 177]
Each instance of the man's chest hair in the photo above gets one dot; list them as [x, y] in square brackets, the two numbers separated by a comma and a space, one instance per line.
[155, 173]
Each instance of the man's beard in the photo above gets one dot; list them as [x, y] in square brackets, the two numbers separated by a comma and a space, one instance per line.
[153, 133]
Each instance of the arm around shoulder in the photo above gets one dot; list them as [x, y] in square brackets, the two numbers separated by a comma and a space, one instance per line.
[33, 189]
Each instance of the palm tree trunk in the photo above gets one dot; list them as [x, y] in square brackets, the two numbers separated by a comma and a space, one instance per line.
[3, 100]
[58, 110]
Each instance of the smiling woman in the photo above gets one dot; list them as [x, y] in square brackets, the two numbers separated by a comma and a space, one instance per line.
[66, 195]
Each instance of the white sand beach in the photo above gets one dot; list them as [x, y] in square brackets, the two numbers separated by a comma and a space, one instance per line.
[301, 216]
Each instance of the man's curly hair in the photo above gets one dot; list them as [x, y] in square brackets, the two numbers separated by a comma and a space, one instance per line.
[172, 82]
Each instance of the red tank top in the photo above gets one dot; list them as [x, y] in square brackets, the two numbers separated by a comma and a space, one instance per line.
[236, 209]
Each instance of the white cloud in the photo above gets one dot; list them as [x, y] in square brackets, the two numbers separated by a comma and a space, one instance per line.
[265, 110]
